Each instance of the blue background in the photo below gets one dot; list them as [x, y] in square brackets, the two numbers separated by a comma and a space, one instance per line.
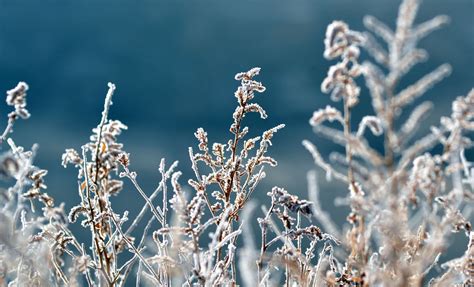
[173, 63]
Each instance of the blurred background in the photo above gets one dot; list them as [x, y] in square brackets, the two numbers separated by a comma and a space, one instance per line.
[174, 63]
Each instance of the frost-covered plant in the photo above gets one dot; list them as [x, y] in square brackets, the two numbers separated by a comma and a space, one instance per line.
[225, 178]
[404, 200]
[212, 210]
[32, 242]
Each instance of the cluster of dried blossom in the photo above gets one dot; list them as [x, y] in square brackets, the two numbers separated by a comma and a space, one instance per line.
[405, 200]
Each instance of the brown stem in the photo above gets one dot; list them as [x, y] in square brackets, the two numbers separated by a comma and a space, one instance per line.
[95, 235]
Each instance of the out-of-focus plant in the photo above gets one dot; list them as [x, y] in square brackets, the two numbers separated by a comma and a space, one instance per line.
[404, 200]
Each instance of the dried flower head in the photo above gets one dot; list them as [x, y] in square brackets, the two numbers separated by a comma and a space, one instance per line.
[339, 39]
[16, 97]
[344, 43]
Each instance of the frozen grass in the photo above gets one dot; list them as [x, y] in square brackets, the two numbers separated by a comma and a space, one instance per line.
[405, 201]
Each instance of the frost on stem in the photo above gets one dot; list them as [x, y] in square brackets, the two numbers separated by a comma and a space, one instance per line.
[373, 123]
[409, 94]
[96, 166]
[327, 114]
[16, 98]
